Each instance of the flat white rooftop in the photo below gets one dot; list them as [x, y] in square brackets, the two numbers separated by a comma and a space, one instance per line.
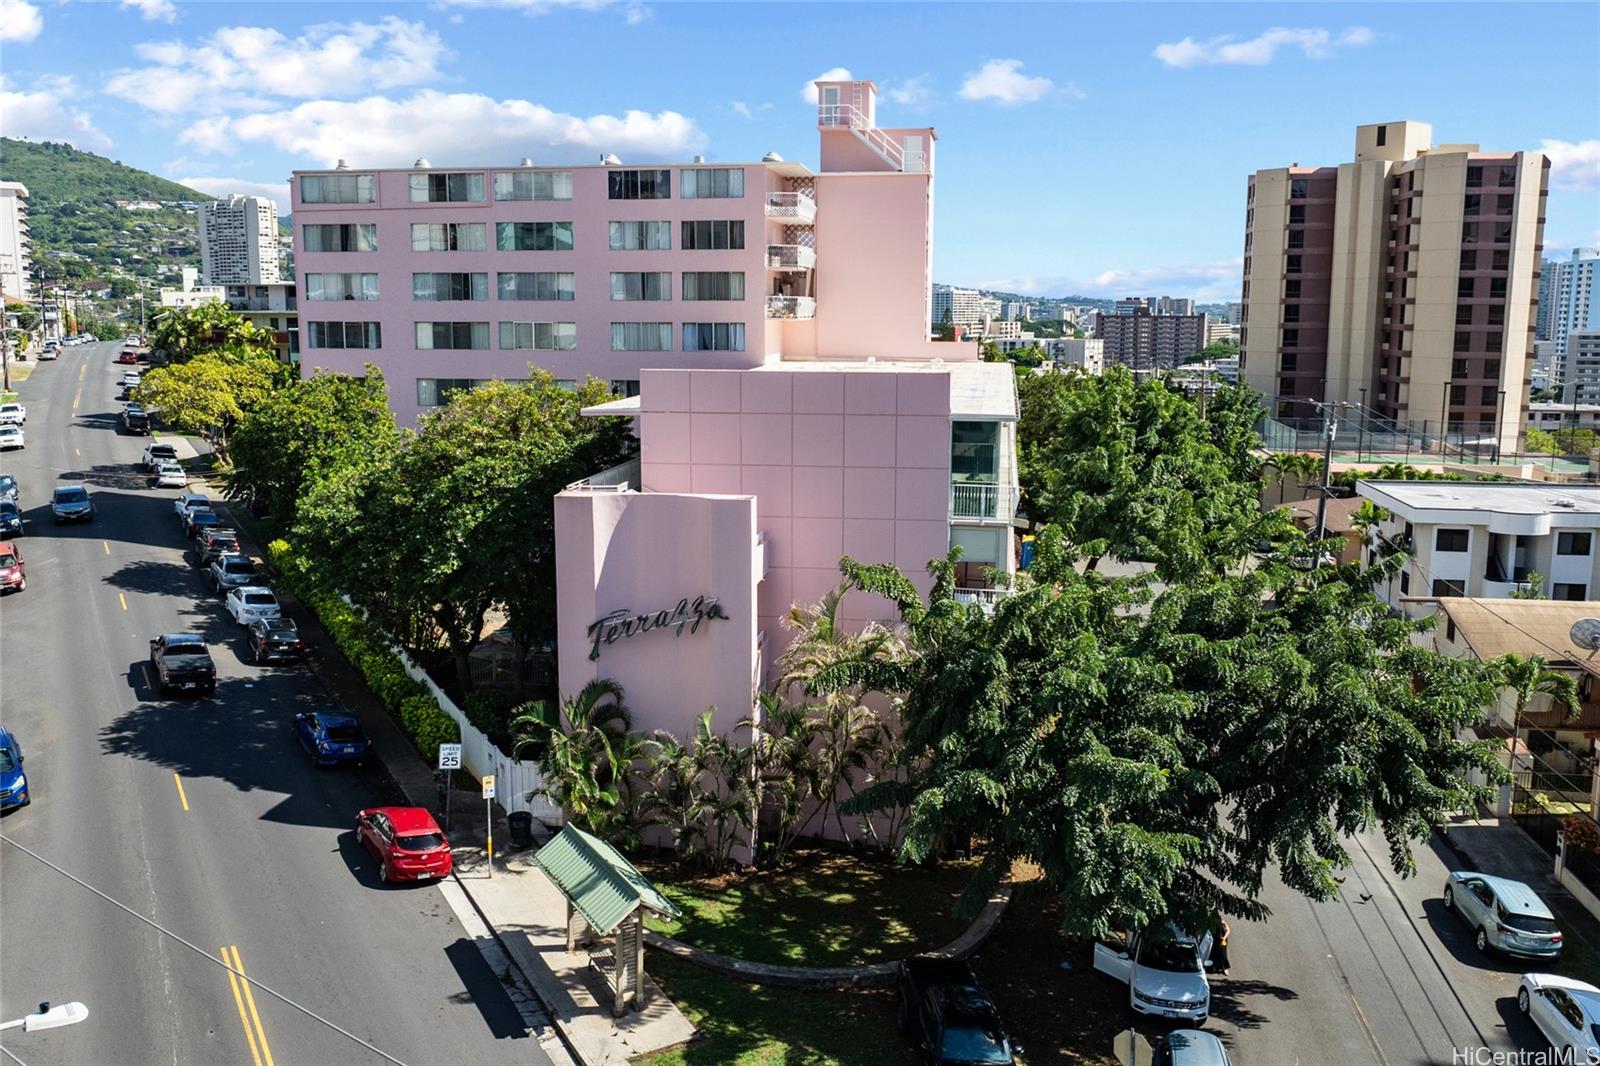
[1497, 497]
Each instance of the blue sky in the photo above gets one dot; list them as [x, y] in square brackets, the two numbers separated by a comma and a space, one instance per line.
[1098, 149]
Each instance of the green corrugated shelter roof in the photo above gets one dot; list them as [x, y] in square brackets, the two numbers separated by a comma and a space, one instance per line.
[602, 885]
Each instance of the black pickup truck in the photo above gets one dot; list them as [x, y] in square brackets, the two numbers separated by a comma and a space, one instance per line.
[949, 1015]
[182, 663]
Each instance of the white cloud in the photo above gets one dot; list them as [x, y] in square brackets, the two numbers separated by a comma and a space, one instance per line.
[1315, 42]
[1002, 81]
[447, 128]
[20, 21]
[1206, 282]
[633, 11]
[44, 114]
[153, 10]
[913, 92]
[239, 66]
[1573, 164]
[808, 91]
[278, 192]
[741, 109]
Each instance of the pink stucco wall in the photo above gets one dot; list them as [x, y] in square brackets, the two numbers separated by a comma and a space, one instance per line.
[873, 256]
[644, 552]
[841, 463]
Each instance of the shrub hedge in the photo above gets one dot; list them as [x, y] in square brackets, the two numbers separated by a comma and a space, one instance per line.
[411, 704]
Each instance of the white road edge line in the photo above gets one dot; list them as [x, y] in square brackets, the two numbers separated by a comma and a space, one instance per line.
[517, 988]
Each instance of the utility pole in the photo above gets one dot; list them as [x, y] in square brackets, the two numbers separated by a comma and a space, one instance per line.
[5, 353]
[1328, 430]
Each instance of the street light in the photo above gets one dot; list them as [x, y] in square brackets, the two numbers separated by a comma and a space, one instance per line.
[49, 1017]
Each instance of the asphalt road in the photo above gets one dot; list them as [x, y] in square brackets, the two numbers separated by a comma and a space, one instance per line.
[198, 814]
[1384, 975]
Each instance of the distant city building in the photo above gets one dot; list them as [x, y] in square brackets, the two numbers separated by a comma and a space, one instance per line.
[989, 307]
[1174, 305]
[1553, 416]
[1086, 352]
[960, 306]
[1548, 365]
[1228, 369]
[1219, 330]
[1580, 367]
[15, 263]
[239, 241]
[1143, 341]
[1544, 321]
[1354, 281]
[1017, 311]
[1235, 315]
[1131, 305]
[190, 293]
[1002, 329]
[270, 307]
[1574, 306]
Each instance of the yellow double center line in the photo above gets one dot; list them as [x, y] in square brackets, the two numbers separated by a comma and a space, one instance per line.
[254, 1034]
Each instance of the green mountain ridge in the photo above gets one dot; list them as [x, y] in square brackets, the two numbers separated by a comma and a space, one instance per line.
[76, 227]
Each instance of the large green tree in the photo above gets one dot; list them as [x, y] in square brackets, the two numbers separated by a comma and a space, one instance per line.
[299, 433]
[1156, 765]
[189, 332]
[209, 395]
[1130, 469]
[460, 517]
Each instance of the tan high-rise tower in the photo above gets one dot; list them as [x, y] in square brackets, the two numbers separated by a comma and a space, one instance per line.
[1406, 279]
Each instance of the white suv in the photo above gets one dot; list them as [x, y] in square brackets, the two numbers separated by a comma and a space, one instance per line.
[251, 602]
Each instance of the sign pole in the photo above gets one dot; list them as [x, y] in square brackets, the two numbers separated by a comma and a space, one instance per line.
[488, 817]
[449, 787]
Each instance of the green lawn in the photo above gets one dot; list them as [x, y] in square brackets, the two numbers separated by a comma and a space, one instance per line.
[752, 1025]
[823, 909]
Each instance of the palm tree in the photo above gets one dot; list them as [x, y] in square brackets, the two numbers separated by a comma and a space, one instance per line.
[675, 770]
[781, 735]
[1527, 676]
[729, 804]
[587, 760]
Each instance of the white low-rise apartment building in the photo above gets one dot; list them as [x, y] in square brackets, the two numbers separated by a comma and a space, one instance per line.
[1484, 539]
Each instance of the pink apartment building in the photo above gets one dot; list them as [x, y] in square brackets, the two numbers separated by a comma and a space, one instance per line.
[766, 325]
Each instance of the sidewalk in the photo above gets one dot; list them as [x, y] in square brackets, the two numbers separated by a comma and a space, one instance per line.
[1498, 846]
[522, 908]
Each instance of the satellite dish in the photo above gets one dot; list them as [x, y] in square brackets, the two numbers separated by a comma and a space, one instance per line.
[1585, 633]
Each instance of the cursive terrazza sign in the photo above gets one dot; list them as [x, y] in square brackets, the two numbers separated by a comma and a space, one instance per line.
[622, 624]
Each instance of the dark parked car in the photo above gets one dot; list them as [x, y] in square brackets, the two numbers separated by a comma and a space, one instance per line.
[949, 1016]
[216, 541]
[136, 421]
[182, 662]
[331, 737]
[199, 520]
[9, 489]
[10, 519]
[274, 639]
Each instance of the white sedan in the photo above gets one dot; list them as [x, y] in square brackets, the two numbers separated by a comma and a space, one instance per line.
[170, 476]
[11, 437]
[13, 414]
[1566, 1010]
[182, 504]
[251, 602]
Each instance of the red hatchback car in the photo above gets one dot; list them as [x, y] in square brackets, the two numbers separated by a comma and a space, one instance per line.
[406, 841]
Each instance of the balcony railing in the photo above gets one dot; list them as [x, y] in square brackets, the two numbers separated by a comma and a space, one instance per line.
[791, 307]
[790, 257]
[620, 478]
[983, 500]
[797, 207]
[985, 598]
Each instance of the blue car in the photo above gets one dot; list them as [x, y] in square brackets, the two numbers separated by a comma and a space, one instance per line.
[13, 781]
[331, 737]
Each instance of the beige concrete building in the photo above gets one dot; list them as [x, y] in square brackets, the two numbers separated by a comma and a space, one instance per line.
[1360, 288]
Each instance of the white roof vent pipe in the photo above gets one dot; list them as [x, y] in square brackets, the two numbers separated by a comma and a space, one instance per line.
[422, 163]
[526, 162]
[699, 159]
[772, 157]
[609, 160]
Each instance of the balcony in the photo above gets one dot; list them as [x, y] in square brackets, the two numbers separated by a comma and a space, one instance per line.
[791, 307]
[982, 501]
[985, 598]
[620, 478]
[790, 257]
[795, 207]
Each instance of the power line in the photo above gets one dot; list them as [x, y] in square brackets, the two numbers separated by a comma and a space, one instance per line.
[308, 1012]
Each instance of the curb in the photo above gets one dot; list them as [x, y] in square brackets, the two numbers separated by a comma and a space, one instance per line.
[874, 975]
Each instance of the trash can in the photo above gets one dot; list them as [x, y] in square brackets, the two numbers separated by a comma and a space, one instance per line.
[521, 823]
